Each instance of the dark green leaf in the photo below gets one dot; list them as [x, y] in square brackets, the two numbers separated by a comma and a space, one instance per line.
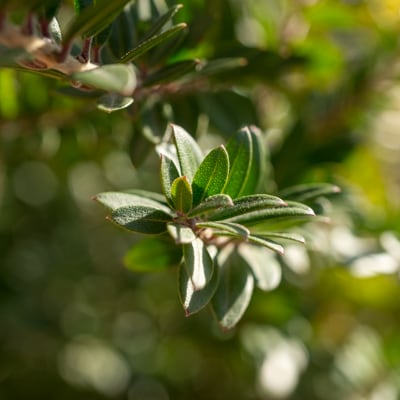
[168, 173]
[189, 153]
[211, 176]
[141, 219]
[181, 233]
[226, 228]
[309, 191]
[267, 243]
[111, 102]
[113, 78]
[211, 204]
[94, 19]
[152, 254]
[194, 300]
[145, 46]
[115, 200]
[198, 263]
[248, 204]
[181, 194]
[265, 267]
[234, 291]
[246, 163]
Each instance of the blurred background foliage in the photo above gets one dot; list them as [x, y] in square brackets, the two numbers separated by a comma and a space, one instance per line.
[321, 81]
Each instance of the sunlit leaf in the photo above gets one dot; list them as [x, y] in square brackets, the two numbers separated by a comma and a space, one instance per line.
[211, 176]
[181, 233]
[198, 263]
[111, 102]
[309, 191]
[226, 228]
[189, 153]
[269, 244]
[264, 266]
[195, 300]
[169, 173]
[152, 254]
[291, 237]
[234, 292]
[118, 78]
[181, 194]
[211, 204]
[141, 219]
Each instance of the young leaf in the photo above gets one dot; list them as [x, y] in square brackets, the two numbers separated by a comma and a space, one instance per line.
[198, 263]
[141, 219]
[191, 299]
[113, 78]
[189, 153]
[246, 163]
[309, 191]
[226, 228]
[181, 194]
[94, 19]
[111, 102]
[169, 173]
[211, 204]
[234, 291]
[264, 266]
[152, 254]
[211, 176]
[145, 46]
[181, 233]
[269, 244]
[115, 200]
[248, 204]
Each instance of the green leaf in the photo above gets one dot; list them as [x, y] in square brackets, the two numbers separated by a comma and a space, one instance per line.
[211, 204]
[282, 236]
[152, 254]
[171, 72]
[94, 19]
[113, 78]
[158, 197]
[161, 21]
[248, 204]
[182, 234]
[267, 243]
[263, 215]
[111, 102]
[226, 228]
[191, 299]
[211, 176]
[189, 153]
[234, 291]
[309, 191]
[181, 194]
[145, 46]
[264, 266]
[141, 219]
[198, 263]
[168, 173]
[246, 162]
[115, 200]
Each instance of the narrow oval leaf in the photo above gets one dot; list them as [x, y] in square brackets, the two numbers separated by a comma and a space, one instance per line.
[147, 45]
[210, 204]
[226, 228]
[181, 233]
[118, 78]
[309, 191]
[248, 204]
[191, 299]
[181, 194]
[211, 176]
[269, 244]
[141, 219]
[94, 19]
[189, 153]
[115, 200]
[291, 237]
[152, 254]
[234, 292]
[264, 266]
[198, 263]
[111, 102]
[168, 173]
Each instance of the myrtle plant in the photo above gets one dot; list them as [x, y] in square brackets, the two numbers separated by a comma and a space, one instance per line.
[211, 221]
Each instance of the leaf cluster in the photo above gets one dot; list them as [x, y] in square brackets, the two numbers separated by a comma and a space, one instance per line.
[226, 233]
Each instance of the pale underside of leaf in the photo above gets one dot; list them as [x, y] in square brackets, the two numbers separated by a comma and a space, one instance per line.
[181, 234]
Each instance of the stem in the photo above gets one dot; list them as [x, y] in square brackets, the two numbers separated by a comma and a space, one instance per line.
[28, 26]
[84, 57]
[65, 50]
[3, 17]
